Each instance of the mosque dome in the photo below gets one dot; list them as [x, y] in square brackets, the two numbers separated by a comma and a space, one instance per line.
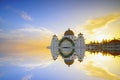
[69, 62]
[80, 60]
[54, 35]
[69, 32]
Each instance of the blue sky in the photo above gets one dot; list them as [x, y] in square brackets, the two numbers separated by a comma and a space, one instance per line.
[53, 15]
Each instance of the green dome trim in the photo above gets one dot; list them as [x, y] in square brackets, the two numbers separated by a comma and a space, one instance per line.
[73, 50]
[63, 39]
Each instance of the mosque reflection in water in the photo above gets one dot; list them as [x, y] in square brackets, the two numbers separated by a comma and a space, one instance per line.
[69, 47]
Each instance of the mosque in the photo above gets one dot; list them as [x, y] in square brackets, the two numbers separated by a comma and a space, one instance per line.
[69, 47]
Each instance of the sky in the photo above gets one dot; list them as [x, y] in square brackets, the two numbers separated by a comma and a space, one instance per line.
[28, 25]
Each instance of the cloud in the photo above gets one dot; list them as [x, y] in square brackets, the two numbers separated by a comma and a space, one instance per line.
[32, 66]
[100, 72]
[105, 27]
[26, 61]
[35, 31]
[27, 33]
[25, 16]
[109, 32]
[99, 22]
[28, 77]
[31, 39]
[32, 29]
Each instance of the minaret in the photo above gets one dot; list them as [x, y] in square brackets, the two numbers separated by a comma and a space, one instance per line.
[54, 47]
[81, 55]
[80, 42]
[80, 47]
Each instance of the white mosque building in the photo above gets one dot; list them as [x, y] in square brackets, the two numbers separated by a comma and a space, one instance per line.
[69, 47]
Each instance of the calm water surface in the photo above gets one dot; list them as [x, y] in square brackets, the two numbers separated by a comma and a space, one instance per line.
[40, 66]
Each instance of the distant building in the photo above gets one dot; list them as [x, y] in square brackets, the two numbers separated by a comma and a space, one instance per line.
[112, 45]
[69, 47]
[106, 47]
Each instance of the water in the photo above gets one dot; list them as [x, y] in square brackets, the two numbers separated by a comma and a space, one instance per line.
[40, 66]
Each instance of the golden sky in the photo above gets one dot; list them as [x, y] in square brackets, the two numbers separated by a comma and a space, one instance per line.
[99, 28]
[37, 39]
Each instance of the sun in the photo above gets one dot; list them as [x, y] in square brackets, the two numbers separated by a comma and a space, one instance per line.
[99, 38]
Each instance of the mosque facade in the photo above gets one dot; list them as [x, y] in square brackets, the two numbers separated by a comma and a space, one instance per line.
[69, 47]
